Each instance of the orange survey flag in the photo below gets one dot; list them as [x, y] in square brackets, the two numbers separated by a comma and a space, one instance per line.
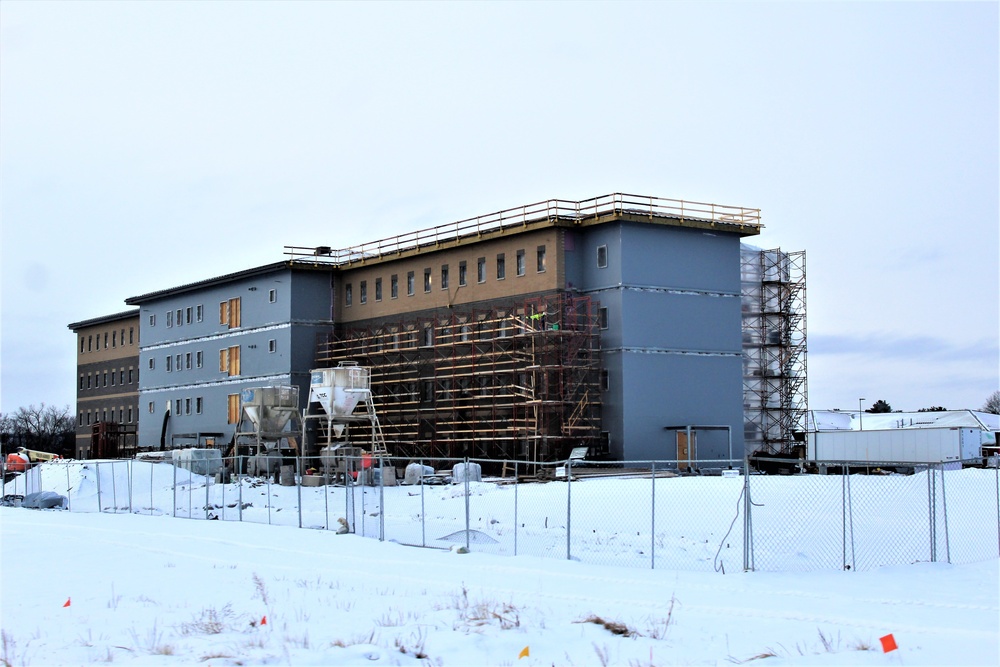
[524, 653]
[888, 643]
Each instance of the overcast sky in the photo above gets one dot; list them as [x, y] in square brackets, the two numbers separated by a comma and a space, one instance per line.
[145, 145]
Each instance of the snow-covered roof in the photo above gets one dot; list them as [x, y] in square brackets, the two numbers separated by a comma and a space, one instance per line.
[841, 420]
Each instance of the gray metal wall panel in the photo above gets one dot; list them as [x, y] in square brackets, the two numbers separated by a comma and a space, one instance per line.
[671, 390]
[696, 322]
[680, 258]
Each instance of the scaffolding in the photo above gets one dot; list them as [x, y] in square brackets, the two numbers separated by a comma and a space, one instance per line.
[508, 379]
[774, 348]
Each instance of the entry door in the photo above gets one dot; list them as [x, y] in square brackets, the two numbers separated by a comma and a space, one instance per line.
[685, 449]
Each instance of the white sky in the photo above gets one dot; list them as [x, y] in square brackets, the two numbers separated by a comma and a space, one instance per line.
[145, 145]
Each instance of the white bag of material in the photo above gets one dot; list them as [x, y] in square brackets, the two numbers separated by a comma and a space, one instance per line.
[415, 473]
[473, 471]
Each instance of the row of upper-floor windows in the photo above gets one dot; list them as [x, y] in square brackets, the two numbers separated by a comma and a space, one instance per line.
[181, 407]
[111, 339]
[229, 359]
[108, 378]
[88, 417]
[230, 313]
[444, 276]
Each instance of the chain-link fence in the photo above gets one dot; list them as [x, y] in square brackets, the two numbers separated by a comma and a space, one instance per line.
[686, 515]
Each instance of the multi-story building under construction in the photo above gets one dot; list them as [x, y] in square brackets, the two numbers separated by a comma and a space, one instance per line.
[613, 323]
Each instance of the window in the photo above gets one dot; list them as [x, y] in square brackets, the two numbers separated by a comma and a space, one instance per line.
[105, 378]
[272, 296]
[427, 280]
[602, 256]
[80, 420]
[88, 417]
[130, 375]
[348, 294]
[540, 259]
[112, 378]
[197, 405]
[233, 408]
[187, 315]
[121, 376]
[501, 266]
[461, 274]
[199, 313]
[90, 342]
[605, 381]
[428, 335]
[187, 361]
[180, 317]
[81, 380]
[410, 284]
[520, 262]
[179, 360]
[231, 313]
[170, 363]
[105, 340]
[272, 345]
[88, 380]
[229, 360]
[152, 319]
[114, 339]
[152, 407]
[378, 289]
[199, 358]
[151, 363]
[481, 269]
[363, 292]
[394, 286]
[121, 415]
[130, 414]
[603, 317]
[187, 406]
[131, 335]
[444, 276]
[83, 342]
[170, 318]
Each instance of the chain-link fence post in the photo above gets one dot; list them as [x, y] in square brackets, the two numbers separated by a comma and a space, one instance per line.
[381, 499]
[151, 468]
[569, 506]
[269, 493]
[130, 470]
[516, 482]
[652, 528]
[747, 518]
[97, 469]
[944, 508]
[69, 496]
[466, 503]
[174, 511]
[239, 482]
[931, 509]
[997, 486]
[208, 484]
[423, 511]
[298, 482]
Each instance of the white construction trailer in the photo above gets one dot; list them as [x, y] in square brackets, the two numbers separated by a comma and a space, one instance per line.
[897, 445]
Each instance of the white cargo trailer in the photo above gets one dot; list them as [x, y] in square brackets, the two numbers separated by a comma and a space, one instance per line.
[898, 445]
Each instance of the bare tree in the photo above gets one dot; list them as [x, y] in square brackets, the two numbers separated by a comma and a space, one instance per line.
[992, 404]
[45, 428]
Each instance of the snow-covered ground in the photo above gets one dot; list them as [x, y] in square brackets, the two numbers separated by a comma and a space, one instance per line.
[145, 588]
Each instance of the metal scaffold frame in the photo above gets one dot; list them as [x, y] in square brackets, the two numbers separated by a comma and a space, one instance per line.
[500, 381]
[774, 348]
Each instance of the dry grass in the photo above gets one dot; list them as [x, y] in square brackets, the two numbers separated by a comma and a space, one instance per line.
[214, 622]
[613, 627]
